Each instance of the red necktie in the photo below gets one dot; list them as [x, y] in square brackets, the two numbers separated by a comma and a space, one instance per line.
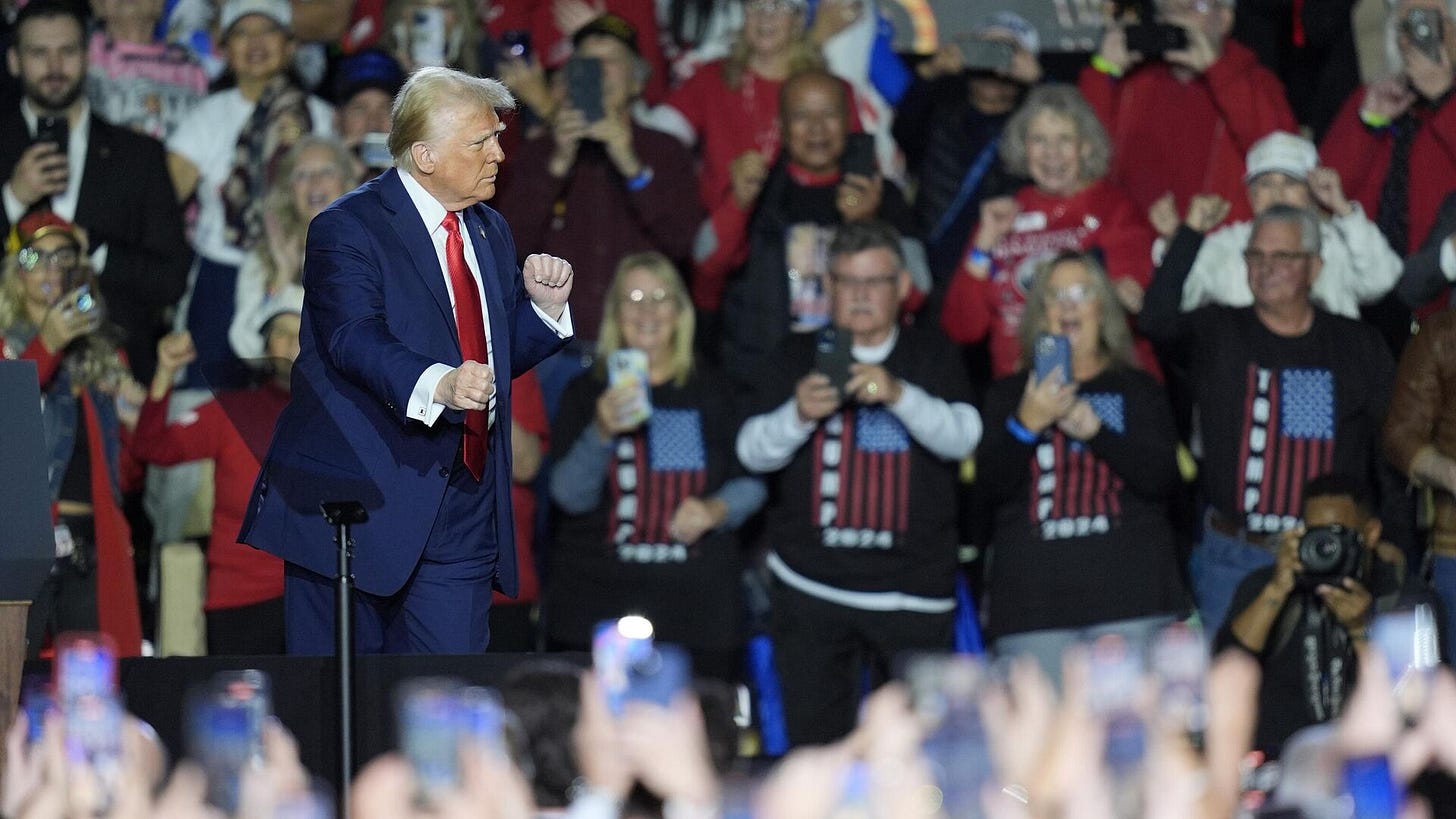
[470, 323]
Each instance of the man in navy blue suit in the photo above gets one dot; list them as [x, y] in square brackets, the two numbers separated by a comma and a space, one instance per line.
[413, 305]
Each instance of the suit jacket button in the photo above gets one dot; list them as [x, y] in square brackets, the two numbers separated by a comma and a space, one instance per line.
[444, 472]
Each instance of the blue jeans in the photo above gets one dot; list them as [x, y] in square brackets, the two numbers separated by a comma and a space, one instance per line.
[1443, 580]
[1218, 565]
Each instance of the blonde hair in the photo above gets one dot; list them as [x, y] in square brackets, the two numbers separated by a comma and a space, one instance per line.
[92, 359]
[803, 55]
[1114, 338]
[426, 95]
[609, 337]
[463, 39]
[279, 202]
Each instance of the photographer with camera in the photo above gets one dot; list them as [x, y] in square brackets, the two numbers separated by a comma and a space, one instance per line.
[1304, 617]
[1162, 56]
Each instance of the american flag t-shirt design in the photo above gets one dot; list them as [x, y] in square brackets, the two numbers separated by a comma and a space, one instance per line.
[1289, 437]
[1073, 492]
[656, 469]
[862, 487]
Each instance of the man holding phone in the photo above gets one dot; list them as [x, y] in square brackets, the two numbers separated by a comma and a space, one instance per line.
[1225, 101]
[862, 526]
[599, 186]
[57, 155]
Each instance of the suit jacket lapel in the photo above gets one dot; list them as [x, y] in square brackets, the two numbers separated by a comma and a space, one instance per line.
[490, 277]
[416, 240]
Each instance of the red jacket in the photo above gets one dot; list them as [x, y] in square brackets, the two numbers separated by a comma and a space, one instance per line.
[1362, 156]
[1188, 138]
[528, 409]
[233, 432]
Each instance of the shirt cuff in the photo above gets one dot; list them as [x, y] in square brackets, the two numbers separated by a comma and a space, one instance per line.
[561, 327]
[14, 209]
[1448, 260]
[422, 404]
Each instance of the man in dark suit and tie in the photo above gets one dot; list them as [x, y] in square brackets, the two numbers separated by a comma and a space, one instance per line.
[110, 181]
[413, 305]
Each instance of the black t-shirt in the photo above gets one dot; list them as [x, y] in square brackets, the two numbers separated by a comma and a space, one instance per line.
[1276, 411]
[1081, 532]
[1308, 663]
[618, 558]
[861, 505]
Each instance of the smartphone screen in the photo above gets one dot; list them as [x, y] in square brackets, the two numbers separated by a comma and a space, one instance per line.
[517, 42]
[584, 86]
[833, 353]
[1053, 353]
[428, 715]
[53, 129]
[985, 55]
[859, 155]
[222, 736]
[659, 675]
[629, 367]
[617, 645]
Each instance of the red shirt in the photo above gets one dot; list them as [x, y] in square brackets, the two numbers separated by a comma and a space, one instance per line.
[728, 122]
[233, 431]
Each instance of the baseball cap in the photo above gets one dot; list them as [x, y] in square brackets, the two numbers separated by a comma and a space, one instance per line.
[371, 68]
[1283, 152]
[279, 11]
[1012, 24]
[608, 25]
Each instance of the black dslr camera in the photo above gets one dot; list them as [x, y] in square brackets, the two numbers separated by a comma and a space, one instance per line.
[1329, 554]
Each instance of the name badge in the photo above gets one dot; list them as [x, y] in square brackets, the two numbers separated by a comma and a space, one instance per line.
[1030, 220]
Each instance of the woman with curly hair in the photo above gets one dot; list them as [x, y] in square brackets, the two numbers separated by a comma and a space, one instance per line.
[51, 313]
[1055, 139]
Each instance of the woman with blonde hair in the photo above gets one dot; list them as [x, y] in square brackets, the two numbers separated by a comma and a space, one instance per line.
[51, 313]
[729, 107]
[649, 492]
[315, 171]
[1083, 451]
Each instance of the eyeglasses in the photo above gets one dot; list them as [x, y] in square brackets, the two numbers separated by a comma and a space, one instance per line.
[1195, 6]
[63, 258]
[300, 175]
[771, 6]
[1072, 295]
[869, 283]
[1282, 259]
[647, 299]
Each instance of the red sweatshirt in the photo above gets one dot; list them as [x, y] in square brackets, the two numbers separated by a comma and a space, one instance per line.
[1099, 216]
[233, 431]
[1188, 138]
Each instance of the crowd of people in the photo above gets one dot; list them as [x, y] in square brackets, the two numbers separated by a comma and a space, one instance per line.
[860, 359]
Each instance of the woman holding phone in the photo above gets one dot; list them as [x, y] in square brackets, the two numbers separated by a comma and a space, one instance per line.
[1084, 459]
[51, 313]
[649, 492]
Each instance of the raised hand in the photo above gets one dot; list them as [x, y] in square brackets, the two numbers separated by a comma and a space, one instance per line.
[548, 282]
